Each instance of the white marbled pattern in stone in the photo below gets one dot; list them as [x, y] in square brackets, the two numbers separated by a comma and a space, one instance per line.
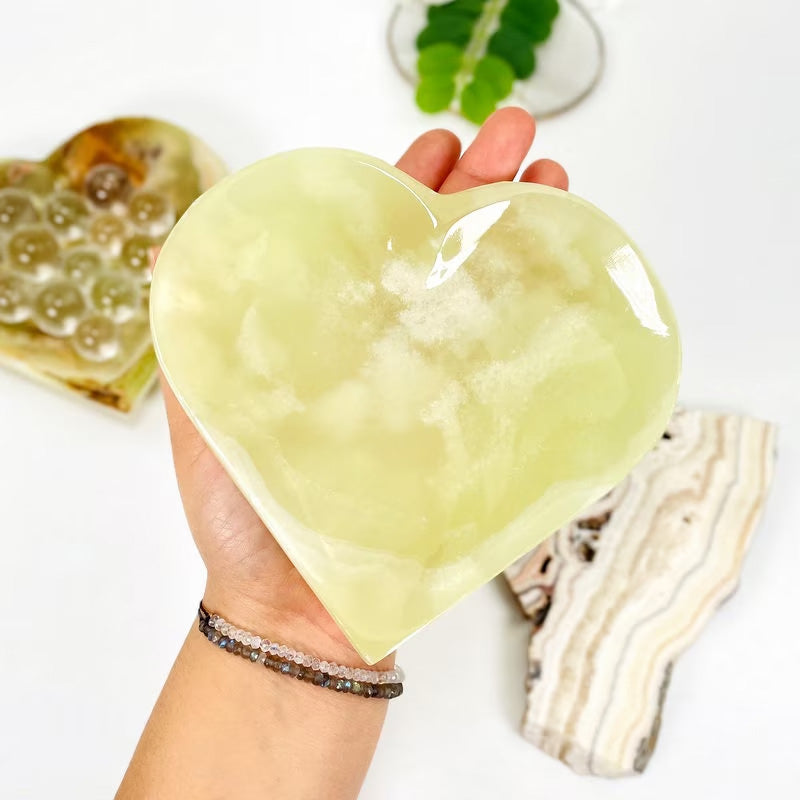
[619, 593]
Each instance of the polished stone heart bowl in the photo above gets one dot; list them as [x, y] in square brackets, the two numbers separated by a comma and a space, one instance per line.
[411, 389]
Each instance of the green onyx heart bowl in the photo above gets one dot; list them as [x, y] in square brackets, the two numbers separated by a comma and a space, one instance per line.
[411, 389]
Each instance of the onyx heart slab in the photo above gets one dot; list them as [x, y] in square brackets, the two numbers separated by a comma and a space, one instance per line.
[77, 234]
[411, 389]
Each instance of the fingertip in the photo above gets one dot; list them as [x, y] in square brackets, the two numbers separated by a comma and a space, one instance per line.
[444, 138]
[515, 120]
[499, 148]
[431, 156]
[547, 172]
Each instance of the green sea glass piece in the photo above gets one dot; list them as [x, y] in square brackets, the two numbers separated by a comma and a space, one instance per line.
[411, 389]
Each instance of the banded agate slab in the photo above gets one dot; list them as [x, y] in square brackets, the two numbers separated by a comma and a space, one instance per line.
[411, 389]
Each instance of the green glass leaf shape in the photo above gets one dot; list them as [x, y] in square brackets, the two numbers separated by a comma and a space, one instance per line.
[535, 28]
[477, 101]
[512, 46]
[443, 58]
[497, 74]
[466, 8]
[456, 49]
[455, 28]
[535, 9]
[435, 93]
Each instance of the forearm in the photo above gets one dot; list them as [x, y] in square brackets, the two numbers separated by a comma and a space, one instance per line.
[225, 727]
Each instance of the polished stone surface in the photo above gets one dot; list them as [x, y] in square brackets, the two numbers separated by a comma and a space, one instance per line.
[618, 594]
[411, 389]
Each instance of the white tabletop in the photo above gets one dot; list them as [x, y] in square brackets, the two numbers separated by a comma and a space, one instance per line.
[692, 142]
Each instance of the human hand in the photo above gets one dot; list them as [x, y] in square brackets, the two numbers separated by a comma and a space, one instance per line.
[250, 579]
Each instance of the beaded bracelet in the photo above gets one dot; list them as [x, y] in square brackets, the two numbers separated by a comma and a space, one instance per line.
[363, 682]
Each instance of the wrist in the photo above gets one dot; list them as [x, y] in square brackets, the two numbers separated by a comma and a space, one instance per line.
[308, 628]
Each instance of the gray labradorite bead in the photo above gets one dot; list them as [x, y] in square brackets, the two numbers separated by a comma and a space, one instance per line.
[356, 688]
[254, 655]
[286, 668]
[223, 642]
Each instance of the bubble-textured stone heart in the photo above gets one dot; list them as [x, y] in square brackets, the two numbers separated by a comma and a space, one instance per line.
[411, 389]
[77, 235]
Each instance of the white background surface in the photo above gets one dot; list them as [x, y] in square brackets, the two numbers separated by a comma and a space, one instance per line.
[692, 142]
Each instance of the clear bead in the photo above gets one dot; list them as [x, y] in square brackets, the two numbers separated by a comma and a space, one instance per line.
[67, 212]
[82, 264]
[151, 213]
[298, 658]
[108, 231]
[116, 296]
[34, 253]
[135, 256]
[255, 641]
[58, 308]
[306, 661]
[16, 208]
[315, 664]
[274, 647]
[106, 185]
[264, 645]
[96, 339]
[14, 301]
[324, 666]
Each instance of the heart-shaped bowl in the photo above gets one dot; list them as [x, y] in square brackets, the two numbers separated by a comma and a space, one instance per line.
[411, 389]
[77, 236]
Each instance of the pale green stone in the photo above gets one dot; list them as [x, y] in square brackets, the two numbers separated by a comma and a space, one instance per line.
[411, 389]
